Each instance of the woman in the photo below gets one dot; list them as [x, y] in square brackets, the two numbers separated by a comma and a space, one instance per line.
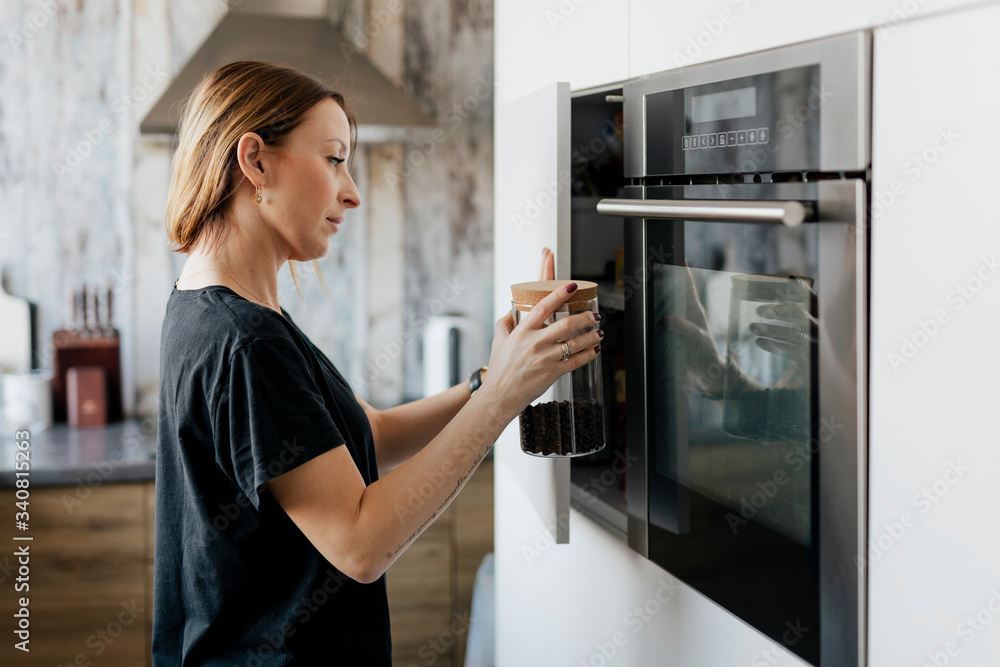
[273, 526]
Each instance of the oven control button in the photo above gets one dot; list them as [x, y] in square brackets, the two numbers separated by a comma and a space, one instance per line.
[722, 140]
[702, 141]
[751, 136]
[762, 135]
[685, 143]
[741, 137]
[713, 140]
[731, 138]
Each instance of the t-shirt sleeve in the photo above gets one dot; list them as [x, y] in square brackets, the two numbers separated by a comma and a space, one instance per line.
[277, 417]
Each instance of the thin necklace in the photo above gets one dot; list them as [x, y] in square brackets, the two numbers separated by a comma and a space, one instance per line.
[260, 300]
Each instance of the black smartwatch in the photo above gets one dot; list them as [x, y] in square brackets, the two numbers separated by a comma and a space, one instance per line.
[476, 380]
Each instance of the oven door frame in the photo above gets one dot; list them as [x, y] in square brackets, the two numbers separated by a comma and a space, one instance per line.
[840, 209]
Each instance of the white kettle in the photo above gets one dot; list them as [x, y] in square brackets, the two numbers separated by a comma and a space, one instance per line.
[453, 348]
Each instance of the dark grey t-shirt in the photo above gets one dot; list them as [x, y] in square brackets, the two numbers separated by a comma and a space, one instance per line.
[244, 397]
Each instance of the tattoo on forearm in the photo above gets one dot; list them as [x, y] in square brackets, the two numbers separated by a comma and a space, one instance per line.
[451, 496]
[391, 555]
[461, 481]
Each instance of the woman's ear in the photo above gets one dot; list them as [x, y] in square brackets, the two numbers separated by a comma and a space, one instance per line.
[250, 153]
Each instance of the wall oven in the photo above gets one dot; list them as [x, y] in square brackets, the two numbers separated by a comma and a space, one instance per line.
[745, 215]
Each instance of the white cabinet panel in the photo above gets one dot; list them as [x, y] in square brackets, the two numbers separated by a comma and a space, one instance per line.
[581, 41]
[667, 35]
[532, 212]
[934, 571]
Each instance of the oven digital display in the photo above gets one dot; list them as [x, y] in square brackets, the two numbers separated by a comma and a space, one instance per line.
[733, 118]
[738, 103]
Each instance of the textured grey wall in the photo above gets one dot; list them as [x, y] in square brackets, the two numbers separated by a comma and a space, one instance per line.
[448, 184]
[82, 194]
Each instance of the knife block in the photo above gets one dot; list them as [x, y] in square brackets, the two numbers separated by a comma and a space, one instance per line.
[72, 349]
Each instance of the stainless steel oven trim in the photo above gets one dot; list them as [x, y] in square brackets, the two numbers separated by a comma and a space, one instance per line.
[636, 418]
[842, 400]
[844, 60]
[790, 213]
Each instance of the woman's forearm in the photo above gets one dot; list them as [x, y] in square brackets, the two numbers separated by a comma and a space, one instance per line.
[406, 429]
[395, 510]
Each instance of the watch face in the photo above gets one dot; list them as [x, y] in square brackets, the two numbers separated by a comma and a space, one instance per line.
[476, 379]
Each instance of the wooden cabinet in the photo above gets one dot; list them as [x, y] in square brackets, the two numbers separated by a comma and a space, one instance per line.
[91, 577]
[88, 602]
[430, 585]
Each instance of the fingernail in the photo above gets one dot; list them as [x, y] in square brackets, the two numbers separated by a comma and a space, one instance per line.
[597, 317]
[600, 332]
[597, 349]
[571, 288]
[544, 252]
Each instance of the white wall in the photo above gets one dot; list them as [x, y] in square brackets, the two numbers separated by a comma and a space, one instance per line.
[564, 604]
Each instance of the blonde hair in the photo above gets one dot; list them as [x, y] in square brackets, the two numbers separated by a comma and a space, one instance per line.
[245, 96]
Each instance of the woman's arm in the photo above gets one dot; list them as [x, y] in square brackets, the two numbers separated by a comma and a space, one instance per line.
[403, 430]
[362, 529]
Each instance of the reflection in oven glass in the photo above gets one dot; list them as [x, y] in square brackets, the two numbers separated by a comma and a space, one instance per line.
[734, 365]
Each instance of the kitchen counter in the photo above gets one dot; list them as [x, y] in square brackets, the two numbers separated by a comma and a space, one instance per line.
[89, 456]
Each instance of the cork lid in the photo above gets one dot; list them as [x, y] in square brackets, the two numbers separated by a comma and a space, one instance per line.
[526, 295]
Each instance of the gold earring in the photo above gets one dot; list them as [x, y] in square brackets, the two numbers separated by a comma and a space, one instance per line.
[259, 198]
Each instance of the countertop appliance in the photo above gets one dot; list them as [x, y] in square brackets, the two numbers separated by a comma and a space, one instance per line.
[16, 333]
[452, 347]
[746, 207]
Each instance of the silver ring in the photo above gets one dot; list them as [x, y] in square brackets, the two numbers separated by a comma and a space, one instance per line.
[565, 356]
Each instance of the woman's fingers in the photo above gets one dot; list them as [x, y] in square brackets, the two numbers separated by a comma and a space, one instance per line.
[548, 271]
[504, 325]
[580, 343]
[582, 358]
[567, 327]
[546, 307]
[779, 333]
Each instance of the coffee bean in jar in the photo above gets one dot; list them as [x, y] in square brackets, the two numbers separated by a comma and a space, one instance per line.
[571, 422]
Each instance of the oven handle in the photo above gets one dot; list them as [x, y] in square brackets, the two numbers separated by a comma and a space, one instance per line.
[790, 213]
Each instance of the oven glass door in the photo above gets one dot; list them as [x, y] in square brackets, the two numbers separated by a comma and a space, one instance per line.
[744, 323]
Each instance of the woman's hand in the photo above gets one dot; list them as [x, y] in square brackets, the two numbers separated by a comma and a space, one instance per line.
[527, 359]
[790, 331]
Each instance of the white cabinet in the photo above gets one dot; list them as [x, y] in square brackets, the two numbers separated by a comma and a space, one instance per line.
[532, 136]
[581, 41]
[667, 35]
[934, 571]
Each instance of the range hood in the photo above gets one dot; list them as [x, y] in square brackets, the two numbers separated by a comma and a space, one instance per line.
[384, 113]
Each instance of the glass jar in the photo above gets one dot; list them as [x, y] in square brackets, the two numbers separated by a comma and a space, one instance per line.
[572, 423]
